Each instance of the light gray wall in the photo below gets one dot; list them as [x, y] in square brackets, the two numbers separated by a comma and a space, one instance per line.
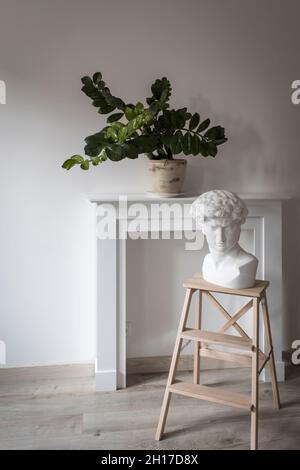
[232, 60]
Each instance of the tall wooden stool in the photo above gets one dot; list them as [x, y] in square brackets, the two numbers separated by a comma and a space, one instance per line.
[251, 354]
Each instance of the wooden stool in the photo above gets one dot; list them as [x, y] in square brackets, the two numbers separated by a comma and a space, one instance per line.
[252, 355]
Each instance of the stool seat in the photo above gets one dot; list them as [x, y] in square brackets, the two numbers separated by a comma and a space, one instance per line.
[197, 282]
[203, 340]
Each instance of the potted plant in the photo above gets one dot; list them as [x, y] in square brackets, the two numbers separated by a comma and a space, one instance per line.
[152, 129]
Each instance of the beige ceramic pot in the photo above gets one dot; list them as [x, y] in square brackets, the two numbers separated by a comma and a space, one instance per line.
[167, 176]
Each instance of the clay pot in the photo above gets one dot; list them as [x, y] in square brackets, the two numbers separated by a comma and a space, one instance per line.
[167, 176]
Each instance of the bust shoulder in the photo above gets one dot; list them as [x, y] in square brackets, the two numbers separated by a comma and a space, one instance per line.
[246, 259]
[208, 260]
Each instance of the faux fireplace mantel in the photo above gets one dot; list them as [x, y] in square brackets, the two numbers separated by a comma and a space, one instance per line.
[265, 219]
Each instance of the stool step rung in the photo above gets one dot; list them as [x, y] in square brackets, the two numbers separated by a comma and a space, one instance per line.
[217, 338]
[212, 394]
[238, 358]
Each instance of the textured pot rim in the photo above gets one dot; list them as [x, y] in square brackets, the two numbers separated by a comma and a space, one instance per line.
[179, 160]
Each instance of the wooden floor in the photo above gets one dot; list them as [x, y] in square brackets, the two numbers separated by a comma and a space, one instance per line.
[68, 414]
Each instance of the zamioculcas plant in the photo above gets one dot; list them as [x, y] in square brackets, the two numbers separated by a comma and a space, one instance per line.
[152, 129]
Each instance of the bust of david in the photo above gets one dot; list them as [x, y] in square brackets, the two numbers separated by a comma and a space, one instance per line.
[220, 215]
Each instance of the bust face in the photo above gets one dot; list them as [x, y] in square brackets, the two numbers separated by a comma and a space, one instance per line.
[221, 235]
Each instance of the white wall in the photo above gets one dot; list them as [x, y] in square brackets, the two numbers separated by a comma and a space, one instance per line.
[232, 60]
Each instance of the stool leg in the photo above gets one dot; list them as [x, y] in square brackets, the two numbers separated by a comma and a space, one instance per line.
[255, 364]
[198, 314]
[269, 343]
[174, 362]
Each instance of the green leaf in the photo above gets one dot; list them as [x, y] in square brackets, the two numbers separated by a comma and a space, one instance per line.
[139, 120]
[85, 165]
[216, 132]
[112, 100]
[97, 77]
[77, 158]
[115, 152]
[194, 121]
[92, 150]
[130, 150]
[220, 141]
[155, 107]
[112, 134]
[176, 143]
[177, 118]
[98, 138]
[131, 127]
[96, 160]
[186, 143]
[139, 108]
[106, 109]
[92, 92]
[146, 143]
[117, 125]
[100, 94]
[99, 102]
[204, 125]
[158, 88]
[164, 95]
[122, 134]
[203, 148]
[115, 117]
[150, 100]
[167, 138]
[88, 85]
[164, 122]
[212, 149]
[147, 117]
[129, 113]
[68, 164]
[195, 145]
[101, 85]
[95, 143]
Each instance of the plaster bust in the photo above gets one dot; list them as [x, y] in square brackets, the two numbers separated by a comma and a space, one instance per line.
[220, 215]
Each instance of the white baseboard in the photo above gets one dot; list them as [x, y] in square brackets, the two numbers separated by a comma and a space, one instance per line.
[144, 365]
[280, 371]
[47, 371]
[2, 353]
[105, 380]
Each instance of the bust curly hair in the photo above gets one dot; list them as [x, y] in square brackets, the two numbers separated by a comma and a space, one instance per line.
[225, 206]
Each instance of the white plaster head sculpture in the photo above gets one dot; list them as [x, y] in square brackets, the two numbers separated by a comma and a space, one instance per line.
[220, 215]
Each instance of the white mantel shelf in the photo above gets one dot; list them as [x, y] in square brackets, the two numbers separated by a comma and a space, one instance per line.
[144, 197]
[264, 218]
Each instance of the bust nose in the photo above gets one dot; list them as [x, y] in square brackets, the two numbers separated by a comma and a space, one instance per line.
[220, 235]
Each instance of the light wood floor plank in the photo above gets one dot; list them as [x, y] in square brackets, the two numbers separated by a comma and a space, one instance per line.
[68, 414]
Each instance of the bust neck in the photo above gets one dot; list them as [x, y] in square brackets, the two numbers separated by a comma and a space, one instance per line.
[219, 258]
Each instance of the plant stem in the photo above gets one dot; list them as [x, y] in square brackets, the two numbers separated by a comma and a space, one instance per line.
[168, 152]
[194, 132]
